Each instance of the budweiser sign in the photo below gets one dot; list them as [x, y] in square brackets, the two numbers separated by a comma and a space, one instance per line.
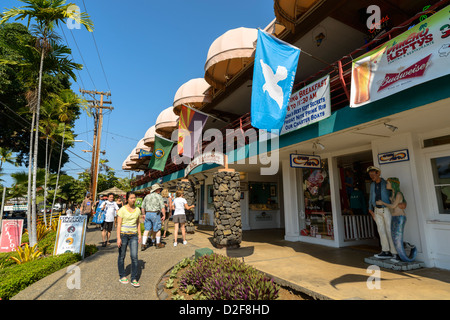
[416, 70]
[416, 56]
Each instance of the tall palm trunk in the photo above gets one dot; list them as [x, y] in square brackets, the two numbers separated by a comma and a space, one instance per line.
[30, 165]
[33, 237]
[45, 182]
[57, 177]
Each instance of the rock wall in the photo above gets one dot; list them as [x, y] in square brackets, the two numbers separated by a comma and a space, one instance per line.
[189, 195]
[227, 213]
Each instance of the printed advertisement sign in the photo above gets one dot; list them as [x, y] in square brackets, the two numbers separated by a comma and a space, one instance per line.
[11, 235]
[71, 235]
[305, 161]
[308, 105]
[393, 156]
[416, 56]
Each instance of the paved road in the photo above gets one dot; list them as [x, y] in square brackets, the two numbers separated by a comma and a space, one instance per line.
[99, 274]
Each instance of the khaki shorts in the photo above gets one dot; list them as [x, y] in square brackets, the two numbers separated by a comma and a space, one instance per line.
[179, 218]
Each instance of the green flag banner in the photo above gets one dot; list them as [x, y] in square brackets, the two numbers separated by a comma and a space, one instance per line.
[161, 153]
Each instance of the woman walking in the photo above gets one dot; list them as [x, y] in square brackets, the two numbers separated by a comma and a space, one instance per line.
[179, 216]
[128, 233]
[168, 205]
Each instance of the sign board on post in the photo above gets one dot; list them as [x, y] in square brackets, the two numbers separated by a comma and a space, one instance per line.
[416, 56]
[308, 105]
[11, 236]
[71, 235]
[305, 161]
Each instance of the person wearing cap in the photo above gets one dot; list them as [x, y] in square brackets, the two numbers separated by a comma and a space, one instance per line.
[152, 204]
[86, 208]
[380, 213]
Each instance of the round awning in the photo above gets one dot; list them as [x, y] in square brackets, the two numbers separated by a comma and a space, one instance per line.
[149, 138]
[126, 165]
[287, 12]
[229, 54]
[195, 92]
[166, 122]
[141, 146]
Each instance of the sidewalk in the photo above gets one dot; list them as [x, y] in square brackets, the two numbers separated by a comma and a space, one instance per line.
[331, 273]
[99, 274]
[322, 272]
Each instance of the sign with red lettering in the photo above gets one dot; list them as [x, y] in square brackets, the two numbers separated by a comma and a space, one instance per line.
[11, 236]
[418, 55]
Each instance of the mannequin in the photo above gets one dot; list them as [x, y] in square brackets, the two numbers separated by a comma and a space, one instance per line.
[398, 220]
[381, 213]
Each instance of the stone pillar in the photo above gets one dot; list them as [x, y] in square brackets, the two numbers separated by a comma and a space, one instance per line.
[227, 205]
[189, 194]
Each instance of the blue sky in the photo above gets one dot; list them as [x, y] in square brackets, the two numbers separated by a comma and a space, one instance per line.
[148, 50]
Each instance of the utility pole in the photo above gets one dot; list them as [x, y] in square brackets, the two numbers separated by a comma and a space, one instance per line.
[98, 119]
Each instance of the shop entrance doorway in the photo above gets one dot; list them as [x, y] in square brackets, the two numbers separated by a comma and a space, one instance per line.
[359, 226]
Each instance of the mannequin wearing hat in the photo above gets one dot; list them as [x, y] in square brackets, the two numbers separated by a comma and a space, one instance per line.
[397, 206]
[381, 213]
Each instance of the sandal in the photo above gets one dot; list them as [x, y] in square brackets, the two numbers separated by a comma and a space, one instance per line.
[134, 283]
[123, 280]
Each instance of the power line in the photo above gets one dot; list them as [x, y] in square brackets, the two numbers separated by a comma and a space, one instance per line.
[115, 134]
[98, 53]
[43, 133]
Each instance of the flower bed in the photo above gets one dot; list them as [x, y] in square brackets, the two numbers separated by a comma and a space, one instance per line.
[217, 277]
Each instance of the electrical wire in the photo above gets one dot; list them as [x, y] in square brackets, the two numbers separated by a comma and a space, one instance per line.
[98, 53]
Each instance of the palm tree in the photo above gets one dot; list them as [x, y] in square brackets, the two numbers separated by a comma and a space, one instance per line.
[6, 157]
[67, 102]
[47, 15]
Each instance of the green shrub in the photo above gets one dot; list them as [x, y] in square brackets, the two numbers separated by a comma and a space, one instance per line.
[224, 278]
[90, 249]
[16, 278]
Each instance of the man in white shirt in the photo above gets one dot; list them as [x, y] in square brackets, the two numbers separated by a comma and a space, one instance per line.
[110, 208]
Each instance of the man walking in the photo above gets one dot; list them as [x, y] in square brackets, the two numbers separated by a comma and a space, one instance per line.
[110, 208]
[86, 208]
[152, 204]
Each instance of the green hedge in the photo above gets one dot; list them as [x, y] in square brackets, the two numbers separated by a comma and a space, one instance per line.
[15, 278]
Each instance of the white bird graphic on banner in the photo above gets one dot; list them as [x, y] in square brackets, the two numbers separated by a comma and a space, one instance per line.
[271, 85]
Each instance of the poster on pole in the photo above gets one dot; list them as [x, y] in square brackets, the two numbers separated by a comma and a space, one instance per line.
[71, 235]
[308, 105]
[418, 55]
[11, 236]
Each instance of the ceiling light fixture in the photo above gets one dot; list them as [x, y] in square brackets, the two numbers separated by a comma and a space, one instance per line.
[318, 144]
[391, 127]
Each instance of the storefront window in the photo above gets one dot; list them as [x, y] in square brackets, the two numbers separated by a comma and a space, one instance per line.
[263, 196]
[210, 191]
[441, 176]
[317, 220]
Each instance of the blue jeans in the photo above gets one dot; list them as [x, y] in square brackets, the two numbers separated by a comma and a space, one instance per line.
[132, 240]
[152, 221]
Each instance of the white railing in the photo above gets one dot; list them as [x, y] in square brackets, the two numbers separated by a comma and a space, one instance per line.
[358, 227]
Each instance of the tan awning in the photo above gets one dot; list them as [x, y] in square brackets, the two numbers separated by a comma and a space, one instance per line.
[195, 92]
[166, 122]
[287, 12]
[149, 138]
[229, 54]
[127, 164]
